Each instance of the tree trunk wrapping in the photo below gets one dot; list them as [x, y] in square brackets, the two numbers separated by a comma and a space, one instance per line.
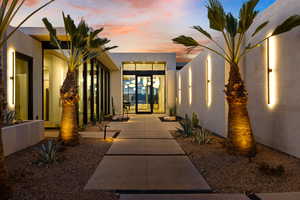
[240, 135]
[69, 98]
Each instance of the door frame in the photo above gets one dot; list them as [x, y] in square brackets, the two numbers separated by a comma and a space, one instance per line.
[28, 59]
[136, 94]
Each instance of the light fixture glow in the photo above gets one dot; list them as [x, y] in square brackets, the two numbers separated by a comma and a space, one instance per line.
[271, 71]
[190, 85]
[208, 81]
[11, 63]
[179, 88]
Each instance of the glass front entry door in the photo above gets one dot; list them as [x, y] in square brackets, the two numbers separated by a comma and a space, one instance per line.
[144, 94]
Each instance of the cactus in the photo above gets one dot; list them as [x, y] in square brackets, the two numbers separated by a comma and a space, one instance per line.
[48, 152]
[195, 120]
[201, 136]
[8, 117]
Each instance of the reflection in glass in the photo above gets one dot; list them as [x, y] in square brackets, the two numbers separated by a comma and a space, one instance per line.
[158, 93]
[22, 85]
[144, 93]
[129, 88]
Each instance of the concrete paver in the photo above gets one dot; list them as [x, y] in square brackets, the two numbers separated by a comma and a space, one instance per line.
[280, 196]
[147, 173]
[183, 197]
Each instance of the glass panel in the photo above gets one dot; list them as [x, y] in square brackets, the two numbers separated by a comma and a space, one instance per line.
[159, 67]
[129, 67]
[22, 85]
[143, 67]
[158, 93]
[129, 93]
[144, 93]
[55, 70]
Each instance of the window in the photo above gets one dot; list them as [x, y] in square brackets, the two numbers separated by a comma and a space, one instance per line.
[128, 66]
[159, 66]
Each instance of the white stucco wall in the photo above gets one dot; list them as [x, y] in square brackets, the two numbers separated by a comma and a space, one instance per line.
[277, 125]
[26, 45]
[116, 76]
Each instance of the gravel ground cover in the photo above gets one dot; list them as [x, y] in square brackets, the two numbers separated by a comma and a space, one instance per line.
[234, 174]
[64, 180]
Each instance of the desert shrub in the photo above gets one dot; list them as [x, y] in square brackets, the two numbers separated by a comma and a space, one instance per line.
[195, 120]
[8, 117]
[202, 136]
[271, 170]
[186, 127]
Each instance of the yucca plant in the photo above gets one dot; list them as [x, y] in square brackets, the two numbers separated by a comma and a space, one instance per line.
[83, 46]
[195, 120]
[202, 136]
[186, 127]
[8, 11]
[233, 30]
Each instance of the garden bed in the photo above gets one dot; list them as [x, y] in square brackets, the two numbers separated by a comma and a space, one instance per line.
[162, 119]
[64, 180]
[234, 174]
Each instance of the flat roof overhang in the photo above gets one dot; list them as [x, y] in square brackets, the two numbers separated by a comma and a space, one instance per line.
[41, 34]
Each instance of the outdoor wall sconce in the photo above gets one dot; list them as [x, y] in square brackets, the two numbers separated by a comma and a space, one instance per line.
[271, 64]
[179, 88]
[190, 85]
[208, 81]
[11, 63]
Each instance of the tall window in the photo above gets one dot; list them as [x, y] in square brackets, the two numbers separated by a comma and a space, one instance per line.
[190, 85]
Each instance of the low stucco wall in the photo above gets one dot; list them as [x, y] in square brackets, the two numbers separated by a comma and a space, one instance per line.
[276, 125]
[21, 136]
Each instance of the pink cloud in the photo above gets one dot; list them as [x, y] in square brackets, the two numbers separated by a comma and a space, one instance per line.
[32, 2]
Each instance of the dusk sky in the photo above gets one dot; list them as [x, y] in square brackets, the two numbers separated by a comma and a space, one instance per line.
[136, 25]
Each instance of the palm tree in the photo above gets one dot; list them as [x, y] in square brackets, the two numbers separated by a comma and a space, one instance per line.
[83, 45]
[233, 30]
[8, 10]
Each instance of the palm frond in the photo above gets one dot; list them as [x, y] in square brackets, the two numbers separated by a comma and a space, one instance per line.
[201, 30]
[247, 15]
[260, 27]
[231, 25]
[216, 15]
[186, 41]
[287, 25]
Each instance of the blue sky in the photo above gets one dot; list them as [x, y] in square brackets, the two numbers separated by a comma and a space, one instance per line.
[136, 25]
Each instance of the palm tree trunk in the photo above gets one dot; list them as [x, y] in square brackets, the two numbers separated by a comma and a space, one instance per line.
[240, 136]
[5, 189]
[69, 97]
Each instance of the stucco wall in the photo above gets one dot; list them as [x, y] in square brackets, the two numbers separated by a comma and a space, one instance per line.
[277, 125]
[26, 45]
[210, 116]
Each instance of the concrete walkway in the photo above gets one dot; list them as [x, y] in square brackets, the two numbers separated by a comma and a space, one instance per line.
[146, 158]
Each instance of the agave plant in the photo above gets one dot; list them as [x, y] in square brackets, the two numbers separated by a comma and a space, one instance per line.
[8, 10]
[47, 153]
[83, 46]
[8, 117]
[186, 127]
[233, 30]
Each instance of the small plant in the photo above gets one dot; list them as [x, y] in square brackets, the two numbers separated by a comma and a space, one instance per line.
[195, 120]
[202, 136]
[271, 170]
[47, 153]
[8, 117]
[186, 125]
[172, 112]
[113, 106]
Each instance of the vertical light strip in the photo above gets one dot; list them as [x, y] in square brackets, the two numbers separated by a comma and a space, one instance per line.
[179, 88]
[271, 76]
[208, 81]
[190, 86]
[11, 63]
